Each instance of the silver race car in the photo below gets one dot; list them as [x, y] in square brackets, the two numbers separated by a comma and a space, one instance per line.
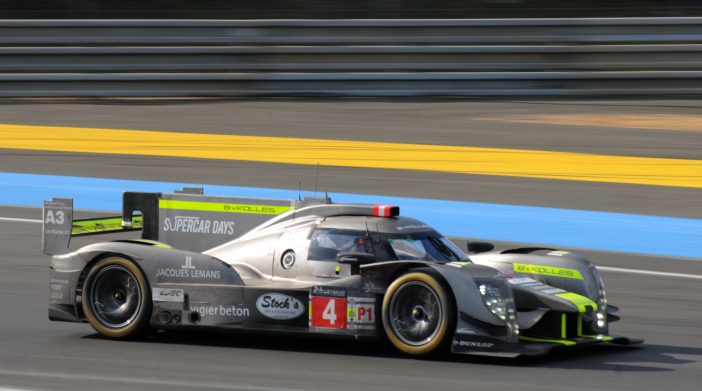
[315, 267]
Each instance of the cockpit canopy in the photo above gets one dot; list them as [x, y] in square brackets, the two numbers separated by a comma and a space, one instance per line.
[387, 239]
[327, 243]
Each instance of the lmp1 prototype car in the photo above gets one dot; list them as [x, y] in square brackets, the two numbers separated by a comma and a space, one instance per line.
[317, 267]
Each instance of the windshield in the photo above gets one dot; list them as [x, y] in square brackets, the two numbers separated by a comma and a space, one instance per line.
[428, 246]
[326, 244]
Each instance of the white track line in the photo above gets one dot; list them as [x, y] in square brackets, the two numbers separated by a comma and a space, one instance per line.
[648, 272]
[603, 268]
[19, 220]
[134, 381]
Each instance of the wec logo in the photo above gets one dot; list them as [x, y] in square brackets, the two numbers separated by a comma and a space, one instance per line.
[167, 294]
[171, 292]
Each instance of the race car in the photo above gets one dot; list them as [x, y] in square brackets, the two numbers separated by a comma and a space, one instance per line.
[316, 267]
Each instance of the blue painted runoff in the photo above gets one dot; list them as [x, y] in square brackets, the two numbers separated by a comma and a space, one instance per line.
[668, 236]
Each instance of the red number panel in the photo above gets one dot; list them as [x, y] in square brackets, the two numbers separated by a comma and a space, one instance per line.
[328, 312]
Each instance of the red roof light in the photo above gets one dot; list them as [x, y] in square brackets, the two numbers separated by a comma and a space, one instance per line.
[386, 210]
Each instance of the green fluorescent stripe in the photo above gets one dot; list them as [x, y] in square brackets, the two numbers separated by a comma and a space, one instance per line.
[223, 207]
[560, 341]
[107, 224]
[161, 245]
[547, 271]
[602, 338]
[581, 302]
[154, 243]
[580, 325]
[563, 326]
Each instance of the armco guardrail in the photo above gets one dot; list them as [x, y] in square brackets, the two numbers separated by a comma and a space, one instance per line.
[577, 57]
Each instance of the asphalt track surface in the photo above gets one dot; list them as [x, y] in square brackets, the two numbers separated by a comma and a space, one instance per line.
[666, 311]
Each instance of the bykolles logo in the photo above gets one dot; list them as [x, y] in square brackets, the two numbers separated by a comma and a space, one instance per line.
[279, 306]
[167, 294]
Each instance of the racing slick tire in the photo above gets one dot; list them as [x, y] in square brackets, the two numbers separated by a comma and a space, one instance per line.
[116, 299]
[419, 314]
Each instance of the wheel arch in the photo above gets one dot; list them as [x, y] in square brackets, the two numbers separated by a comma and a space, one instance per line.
[462, 284]
[433, 280]
[377, 277]
[135, 325]
[94, 259]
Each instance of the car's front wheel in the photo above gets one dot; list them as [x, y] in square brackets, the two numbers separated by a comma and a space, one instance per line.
[116, 299]
[418, 314]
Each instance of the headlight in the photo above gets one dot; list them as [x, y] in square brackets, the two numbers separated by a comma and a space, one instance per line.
[497, 297]
[493, 300]
[600, 322]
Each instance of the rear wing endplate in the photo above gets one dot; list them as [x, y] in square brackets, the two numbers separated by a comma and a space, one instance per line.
[59, 226]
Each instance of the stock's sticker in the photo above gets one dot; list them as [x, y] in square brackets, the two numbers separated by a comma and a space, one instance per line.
[328, 307]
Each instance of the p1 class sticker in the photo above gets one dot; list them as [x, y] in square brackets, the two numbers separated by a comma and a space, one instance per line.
[328, 306]
[361, 313]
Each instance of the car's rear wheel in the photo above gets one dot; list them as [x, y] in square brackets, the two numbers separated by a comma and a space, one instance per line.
[418, 314]
[116, 298]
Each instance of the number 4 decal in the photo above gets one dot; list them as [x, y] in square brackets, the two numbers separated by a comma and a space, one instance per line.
[328, 312]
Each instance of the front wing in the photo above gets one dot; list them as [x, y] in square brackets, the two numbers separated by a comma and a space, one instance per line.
[487, 346]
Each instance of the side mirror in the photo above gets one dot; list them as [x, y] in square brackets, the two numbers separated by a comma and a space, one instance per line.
[355, 260]
[479, 247]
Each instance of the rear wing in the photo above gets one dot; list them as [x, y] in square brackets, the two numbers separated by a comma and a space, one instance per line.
[186, 219]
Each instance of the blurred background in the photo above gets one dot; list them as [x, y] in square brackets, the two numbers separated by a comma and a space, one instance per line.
[343, 9]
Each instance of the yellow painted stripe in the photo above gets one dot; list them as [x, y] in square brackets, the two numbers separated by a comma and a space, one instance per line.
[223, 207]
[453, 159]
[688, 123]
